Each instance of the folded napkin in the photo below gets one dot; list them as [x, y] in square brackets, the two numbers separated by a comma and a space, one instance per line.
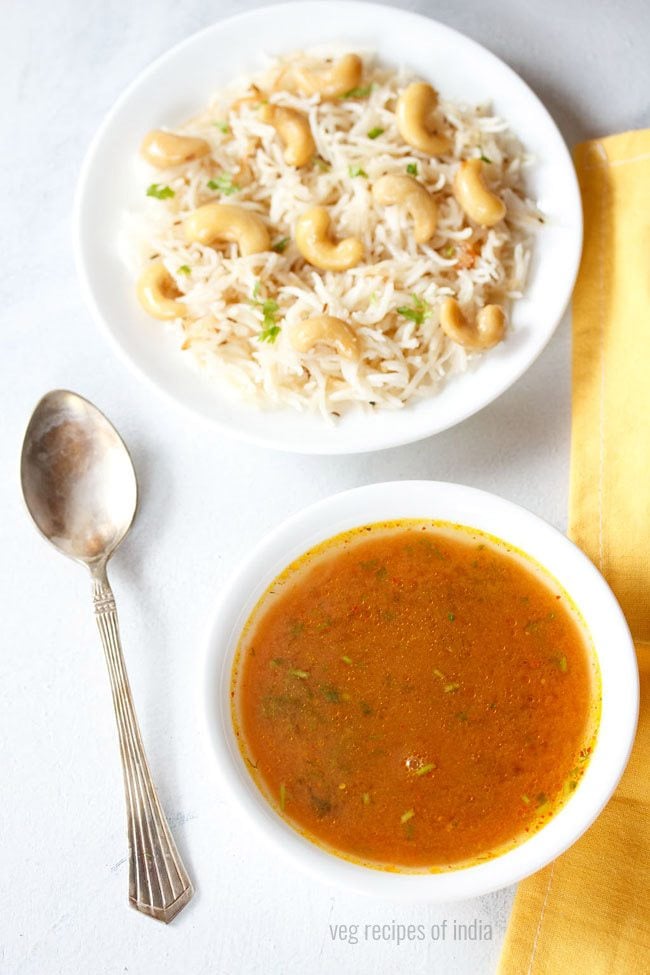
[588, 913]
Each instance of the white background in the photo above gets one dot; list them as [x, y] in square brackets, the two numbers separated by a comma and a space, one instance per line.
[204, 502]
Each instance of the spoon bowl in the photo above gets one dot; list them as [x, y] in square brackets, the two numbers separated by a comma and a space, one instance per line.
[77, 478]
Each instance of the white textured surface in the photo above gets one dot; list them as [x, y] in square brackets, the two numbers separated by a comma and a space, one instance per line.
[204, 501]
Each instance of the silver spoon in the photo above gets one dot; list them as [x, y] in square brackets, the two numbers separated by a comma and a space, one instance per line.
[81, 491]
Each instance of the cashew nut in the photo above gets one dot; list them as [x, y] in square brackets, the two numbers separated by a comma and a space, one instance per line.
[418, 201]
[220, 221]
[415, 108]
[164, 149]
[317, 247]
[325, 330]
[293, 128]
[488, 330]
[479, 203]
[330, 81]
[157, 292]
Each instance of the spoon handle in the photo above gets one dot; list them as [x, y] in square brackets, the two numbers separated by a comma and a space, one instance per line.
[158, 882]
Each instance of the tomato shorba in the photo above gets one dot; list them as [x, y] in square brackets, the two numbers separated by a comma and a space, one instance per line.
[415, 696]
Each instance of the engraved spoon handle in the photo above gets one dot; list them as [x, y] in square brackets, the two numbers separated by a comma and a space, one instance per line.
[158, 882]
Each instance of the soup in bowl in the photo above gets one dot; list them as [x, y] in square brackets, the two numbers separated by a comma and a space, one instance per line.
[418, 688]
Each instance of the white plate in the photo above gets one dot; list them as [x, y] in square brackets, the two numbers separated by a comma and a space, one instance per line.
[174, 87]
[460, 505]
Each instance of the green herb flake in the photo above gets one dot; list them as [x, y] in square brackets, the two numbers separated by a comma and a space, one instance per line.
[425, 769]
[365, 798]
[451, 617]
[412, 169]
[256, 289]
[409, 814]
[331, 694]
[160, 192]
[573, 785]
[270, 330]
[357, 171]
[376, 132]
[224, 184]
[448, 251]
[347, 660]
[222, 126]
[439, 674]
[462, 715]
[269, 334]
[280, 246]
[300, 674]
[417, 313]
[562, 664]
[451, 688]
[485, 159]
[365, 708]
[184, 269]
[526, 800]
[283, 796]
[542, 798]
[361, 92]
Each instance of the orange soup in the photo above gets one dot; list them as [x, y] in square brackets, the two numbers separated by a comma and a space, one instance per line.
[415, 695]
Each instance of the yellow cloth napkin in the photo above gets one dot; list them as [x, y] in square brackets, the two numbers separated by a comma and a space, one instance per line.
[588, 913]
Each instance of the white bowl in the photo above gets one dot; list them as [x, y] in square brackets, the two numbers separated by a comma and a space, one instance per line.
[461, 505]
[172, 89]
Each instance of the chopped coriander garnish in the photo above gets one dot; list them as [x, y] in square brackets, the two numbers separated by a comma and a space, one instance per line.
[269, 309]
[412, 169]
[439, 673]
[484, 158]
[417, 313]
[425, 768]
[357, 171]
[269, 334]
[376, 132]
[366, 798]
[160, 192]
[562, 664]
[361, 92]
[526, 799]
[451, 617]
[542, 798]
[256, 288]
[270, 330]
[347, 660]
[223, 127]
[301, 674]
[409, 814]
[451, 688]
[281, 245]
[224, 184]
[184, 269]
[448, 251]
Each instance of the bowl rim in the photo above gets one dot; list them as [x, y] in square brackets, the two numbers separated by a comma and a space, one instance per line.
[371, 437]
[328, 517]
